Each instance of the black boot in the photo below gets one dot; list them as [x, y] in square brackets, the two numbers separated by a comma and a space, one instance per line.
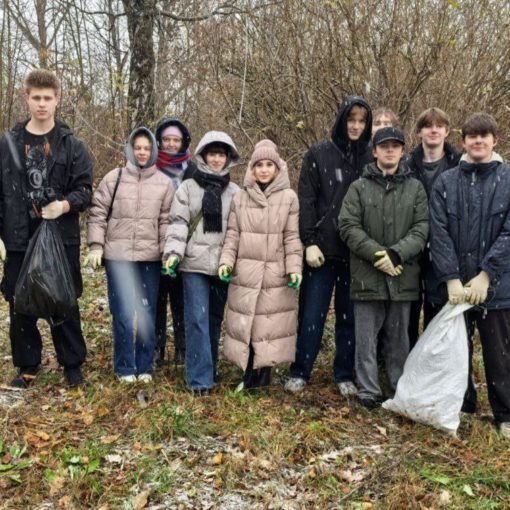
[264, 378]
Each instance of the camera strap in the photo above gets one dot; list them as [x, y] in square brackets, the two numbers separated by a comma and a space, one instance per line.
[117, 182]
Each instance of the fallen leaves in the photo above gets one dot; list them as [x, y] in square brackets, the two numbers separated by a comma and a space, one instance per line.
[140, 500]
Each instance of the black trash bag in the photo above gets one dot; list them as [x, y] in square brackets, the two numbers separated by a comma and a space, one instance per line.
[45, 287]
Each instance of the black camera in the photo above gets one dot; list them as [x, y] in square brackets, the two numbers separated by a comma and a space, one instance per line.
[41, 197]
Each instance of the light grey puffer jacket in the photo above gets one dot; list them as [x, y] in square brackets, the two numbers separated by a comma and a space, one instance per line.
[136, 228]
[201, 254]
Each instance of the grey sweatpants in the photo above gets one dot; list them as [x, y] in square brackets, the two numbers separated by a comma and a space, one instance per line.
[370, 318]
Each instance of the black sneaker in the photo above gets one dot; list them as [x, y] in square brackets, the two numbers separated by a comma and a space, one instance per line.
[369, 402]
[73, 377]
[25, 377]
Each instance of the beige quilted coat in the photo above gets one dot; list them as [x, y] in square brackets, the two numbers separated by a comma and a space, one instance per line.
[262, 245]
[136, 229]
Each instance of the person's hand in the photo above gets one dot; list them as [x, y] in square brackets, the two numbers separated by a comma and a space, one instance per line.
[478, 287]
[55, 209]
[224, 273]
[3, 251]
[385, 264]
[94, 258]
[314, 256]
[295, 280]
[456, 292]
[170, 264]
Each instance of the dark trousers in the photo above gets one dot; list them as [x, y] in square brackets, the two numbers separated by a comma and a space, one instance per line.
[314, 300]
[430, 310]
[26, 343]
[170, 289]
[494, 329]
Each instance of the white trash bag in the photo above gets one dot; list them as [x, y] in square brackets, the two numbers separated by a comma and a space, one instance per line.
[432, 387]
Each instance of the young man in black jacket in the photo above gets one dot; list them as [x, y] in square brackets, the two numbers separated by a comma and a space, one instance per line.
[470, 246]
[427, 161]
[328, 169]
[44, 172]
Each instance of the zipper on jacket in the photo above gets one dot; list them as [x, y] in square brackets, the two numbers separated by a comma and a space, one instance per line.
[139, 192]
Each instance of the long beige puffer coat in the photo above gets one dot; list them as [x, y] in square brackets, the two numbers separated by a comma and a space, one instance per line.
[263, 247]
[140, 212]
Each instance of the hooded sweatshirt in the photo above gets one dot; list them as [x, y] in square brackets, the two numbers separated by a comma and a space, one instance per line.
[328, 169]
[139, 215]
[201, 252]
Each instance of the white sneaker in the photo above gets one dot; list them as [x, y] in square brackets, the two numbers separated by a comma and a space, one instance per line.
[504, 429]
[128, 379]
[145, 378]
[295, 385]
[347, 388]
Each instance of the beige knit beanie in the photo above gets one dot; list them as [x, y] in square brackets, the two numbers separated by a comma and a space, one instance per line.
[265, 149]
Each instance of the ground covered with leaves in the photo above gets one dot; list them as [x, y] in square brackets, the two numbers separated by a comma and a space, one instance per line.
[108, 446]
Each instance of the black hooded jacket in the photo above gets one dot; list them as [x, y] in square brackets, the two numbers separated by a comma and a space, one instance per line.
[165, 122]
[328, 169]
[69, 174]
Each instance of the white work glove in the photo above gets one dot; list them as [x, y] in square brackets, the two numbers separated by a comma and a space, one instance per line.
[54, 209]
[314, 256]
[385, 264]
[3, 252]
[94, 258]
[456, 292]
[477, 288]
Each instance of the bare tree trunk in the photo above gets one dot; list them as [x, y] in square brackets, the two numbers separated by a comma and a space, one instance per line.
[140, 17]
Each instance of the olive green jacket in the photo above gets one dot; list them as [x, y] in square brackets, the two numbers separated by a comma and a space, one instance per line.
[381, 213]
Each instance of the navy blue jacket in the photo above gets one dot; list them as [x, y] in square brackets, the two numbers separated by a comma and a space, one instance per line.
[470, 226]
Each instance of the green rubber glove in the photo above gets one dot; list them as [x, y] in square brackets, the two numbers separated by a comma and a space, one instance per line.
[295, 280]
[170, 265]
[224, 273]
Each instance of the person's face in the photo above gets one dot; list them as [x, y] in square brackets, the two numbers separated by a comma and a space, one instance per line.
[388, 155]
[142, 148]
[171, 143]
[42, 103]
[356, 122]
[264, 171]
[433, 135]
[479, 147]
[216, 160]
[381, 121]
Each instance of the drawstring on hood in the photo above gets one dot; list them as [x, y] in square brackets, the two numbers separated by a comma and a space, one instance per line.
[130, 155]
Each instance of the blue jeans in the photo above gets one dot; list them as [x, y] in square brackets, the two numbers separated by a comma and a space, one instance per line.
[314, 301]
[133, 290]
[204, 305]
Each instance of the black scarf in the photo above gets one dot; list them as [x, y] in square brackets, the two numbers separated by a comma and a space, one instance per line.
[213, 186]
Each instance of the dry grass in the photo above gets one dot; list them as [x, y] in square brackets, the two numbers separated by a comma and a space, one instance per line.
[98, 447]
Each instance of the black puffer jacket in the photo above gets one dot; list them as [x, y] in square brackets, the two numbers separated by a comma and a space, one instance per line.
[328, 169]
[69, 174]
[470, 226]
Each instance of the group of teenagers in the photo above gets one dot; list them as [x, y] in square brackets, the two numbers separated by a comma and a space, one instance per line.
[389, 233]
